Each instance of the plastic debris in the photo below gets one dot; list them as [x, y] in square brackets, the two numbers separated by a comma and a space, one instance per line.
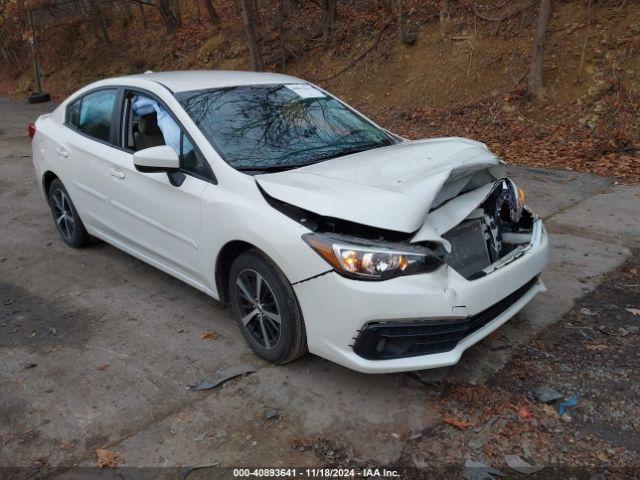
[271, 415]
[572, 402]
[519, 465]
[479, 471]
[524, 413]
[221, 376]
[546, 394]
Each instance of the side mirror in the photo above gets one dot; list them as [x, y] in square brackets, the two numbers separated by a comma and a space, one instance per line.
[156, 159]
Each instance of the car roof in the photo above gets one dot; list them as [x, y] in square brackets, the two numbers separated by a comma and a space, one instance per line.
[182, 81]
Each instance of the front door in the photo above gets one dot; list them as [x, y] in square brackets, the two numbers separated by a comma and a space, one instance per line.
[158, 219]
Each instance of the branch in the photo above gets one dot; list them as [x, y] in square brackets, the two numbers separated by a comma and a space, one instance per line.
[146, 4]
[359, 57]
[503, 17]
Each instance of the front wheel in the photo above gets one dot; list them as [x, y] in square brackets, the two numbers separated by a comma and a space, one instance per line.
[266, 309]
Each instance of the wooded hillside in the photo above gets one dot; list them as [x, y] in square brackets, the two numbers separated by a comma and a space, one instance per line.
[543, 82]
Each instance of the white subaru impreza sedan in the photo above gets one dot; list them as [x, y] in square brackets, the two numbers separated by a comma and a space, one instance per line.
[325, 232]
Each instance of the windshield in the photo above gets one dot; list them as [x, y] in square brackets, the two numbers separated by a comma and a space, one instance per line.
[276, 127]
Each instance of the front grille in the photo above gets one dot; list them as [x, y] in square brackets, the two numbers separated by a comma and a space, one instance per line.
[385, 341]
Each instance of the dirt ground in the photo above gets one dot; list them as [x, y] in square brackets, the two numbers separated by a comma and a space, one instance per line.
[97, 350]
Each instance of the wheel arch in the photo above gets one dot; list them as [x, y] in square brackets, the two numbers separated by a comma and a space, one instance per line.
[225, 259]
[47, 179]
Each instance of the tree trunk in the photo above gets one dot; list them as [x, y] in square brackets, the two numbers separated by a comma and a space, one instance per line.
[102, 24]
[583, 53]
[252, 38]
[177, 12]
[329, 14]
[211, 11]
[198, 12]
[400, 19]
[386, 5]
[168, 16]
[535, 86]
[257, 18]
[444, 11]
[143, 15]
[283, 53]
[92, 10]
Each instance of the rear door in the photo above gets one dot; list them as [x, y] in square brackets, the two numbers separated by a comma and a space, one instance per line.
[157, 215]
[83, 150]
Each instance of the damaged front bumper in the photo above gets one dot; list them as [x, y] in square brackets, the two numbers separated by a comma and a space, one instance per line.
[380, 327]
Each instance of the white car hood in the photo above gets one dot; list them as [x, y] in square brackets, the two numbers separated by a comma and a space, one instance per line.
[393, 187]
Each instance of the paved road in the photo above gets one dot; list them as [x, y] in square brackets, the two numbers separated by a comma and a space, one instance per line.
[97, 348]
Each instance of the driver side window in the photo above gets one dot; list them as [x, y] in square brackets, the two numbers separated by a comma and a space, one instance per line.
[148, 124]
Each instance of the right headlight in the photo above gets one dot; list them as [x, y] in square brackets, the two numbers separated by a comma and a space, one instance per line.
[358, 258]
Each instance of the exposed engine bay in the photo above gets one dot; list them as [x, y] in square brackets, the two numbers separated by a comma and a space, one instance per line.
[494, 232]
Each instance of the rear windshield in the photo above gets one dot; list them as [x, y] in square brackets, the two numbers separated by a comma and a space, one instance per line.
[277, 127]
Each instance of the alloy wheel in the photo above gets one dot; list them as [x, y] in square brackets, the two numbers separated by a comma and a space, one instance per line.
[63, 214]
[259, 312]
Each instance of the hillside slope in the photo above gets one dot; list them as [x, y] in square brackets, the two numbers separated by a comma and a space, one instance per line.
[465, 76]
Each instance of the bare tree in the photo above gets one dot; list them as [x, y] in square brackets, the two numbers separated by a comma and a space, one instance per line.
[444, 11]
[252, 37]
[386, 4]
[535, 85]
[329, 15]
[406, 36]
[211, 11]
[167, 10]
[92, 10]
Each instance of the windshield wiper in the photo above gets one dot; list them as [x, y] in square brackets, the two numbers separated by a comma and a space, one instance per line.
[269, 168]
[339, 153]
[346, 151]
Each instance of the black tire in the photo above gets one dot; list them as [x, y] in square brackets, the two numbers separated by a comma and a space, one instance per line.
[66, 218]
[39, 98]
[278, 297]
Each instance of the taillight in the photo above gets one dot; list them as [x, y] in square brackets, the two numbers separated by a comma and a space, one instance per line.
[32, 130]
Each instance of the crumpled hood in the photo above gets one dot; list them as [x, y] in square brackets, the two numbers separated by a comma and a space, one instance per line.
[393, 187]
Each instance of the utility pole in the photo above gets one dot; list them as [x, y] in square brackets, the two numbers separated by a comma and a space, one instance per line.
[39, 96]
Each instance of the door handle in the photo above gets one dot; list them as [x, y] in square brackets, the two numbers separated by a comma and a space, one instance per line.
[62, 152]
[116, 173]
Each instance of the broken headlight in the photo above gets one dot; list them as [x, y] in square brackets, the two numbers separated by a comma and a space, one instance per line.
[358, 258]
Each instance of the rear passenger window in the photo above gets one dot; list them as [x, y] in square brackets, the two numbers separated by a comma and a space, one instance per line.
[73, 114]
[96, 112]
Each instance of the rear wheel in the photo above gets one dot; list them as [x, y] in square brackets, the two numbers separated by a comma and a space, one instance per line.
[266, 309]
[66, 217]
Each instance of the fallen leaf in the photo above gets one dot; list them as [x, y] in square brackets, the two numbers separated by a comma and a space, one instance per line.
[209, 335]
[598, 347]
[549, 410]
[524, 413]
[461, 424]
[104, 366]
[634, 311]
[106, 458]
